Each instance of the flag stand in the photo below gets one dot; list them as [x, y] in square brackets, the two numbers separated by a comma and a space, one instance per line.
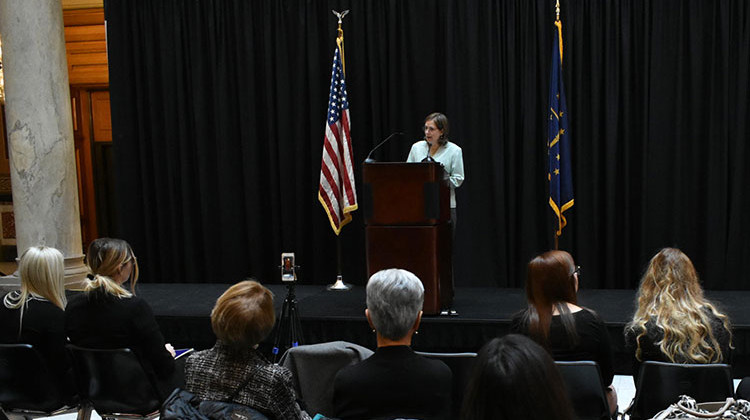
[339, 285]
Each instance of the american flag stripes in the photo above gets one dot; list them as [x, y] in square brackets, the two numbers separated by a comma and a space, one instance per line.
[337, 192]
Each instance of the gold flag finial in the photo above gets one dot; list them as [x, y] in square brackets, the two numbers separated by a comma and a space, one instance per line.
[340, 16]
[340, 37]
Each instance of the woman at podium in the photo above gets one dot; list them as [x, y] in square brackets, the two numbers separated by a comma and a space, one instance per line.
[437, 147]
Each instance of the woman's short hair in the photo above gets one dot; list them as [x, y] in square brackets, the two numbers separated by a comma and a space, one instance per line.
[671, 297]
[441, 122]
[550, 283]
[394, 299]
[515, 378]
[104, 258]
[243, 315]
[42, 272]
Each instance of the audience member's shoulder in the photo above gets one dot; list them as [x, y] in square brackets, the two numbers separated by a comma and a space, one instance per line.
[75, 298]
[714, 315]
[347, 373]
[136, 302]
[589, 315]
[437, 366]
[45, 307]
[197, 357]
[279, 371]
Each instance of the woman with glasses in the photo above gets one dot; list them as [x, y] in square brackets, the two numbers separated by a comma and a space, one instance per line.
[554, 320]
[108, 316]
[437, 147]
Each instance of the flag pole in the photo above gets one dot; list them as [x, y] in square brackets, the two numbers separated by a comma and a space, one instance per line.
[339, 285]
[557, 236]
[561, 188]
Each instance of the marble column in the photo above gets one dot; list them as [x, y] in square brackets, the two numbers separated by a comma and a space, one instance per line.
[40, 130]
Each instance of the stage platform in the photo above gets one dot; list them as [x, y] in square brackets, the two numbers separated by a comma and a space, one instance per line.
[183, 313]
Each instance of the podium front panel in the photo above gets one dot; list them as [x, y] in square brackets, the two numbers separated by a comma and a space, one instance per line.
[423, 250]
[405, 194]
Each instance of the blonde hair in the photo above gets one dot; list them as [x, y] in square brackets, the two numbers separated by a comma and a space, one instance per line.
[671, 297]
[105, 258]
[42, 272]
[243, 315]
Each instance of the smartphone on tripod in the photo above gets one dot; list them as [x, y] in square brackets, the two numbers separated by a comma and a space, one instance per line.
[288, 326]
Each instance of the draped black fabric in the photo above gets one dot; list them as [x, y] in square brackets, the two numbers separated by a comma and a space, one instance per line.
[218, 113]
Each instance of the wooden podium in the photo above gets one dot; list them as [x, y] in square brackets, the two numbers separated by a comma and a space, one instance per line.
[407, 217]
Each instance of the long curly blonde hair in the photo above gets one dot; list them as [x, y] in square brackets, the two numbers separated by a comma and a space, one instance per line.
[671, 297]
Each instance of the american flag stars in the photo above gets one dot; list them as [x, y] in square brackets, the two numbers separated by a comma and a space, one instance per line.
[337, 101]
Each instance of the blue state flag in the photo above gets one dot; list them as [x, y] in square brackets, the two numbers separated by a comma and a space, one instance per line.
[558, 139]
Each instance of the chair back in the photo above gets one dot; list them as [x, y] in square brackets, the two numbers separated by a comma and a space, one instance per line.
[461, 365]
[314, 367]
[583, 381]
[113, 381]
[661, 384]
[25, 381]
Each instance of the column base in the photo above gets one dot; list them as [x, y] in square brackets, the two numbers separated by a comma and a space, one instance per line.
[75, 272]
[75, 275]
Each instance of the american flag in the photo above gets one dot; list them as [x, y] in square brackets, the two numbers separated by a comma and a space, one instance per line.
[337, 192]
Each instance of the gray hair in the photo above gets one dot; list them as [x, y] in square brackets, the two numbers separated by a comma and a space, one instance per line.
[394, 298]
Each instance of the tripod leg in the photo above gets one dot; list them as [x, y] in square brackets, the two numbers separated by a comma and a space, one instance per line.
[280, 324]
[292, 327]
[297, 325]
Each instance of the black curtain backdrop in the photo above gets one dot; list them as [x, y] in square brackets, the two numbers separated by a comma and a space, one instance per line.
[218, 113]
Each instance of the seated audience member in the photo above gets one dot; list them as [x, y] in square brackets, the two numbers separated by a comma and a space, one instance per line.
[36, 314]
[394, 382]
[743, 389]
[673, 321]
[108, 316]
[554, 320]
[515, 378]
[242, 318]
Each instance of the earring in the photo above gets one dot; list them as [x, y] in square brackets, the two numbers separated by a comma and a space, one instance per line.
[416, 332]
[373, 330]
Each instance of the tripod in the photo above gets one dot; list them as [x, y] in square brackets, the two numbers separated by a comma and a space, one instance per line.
[288, 325]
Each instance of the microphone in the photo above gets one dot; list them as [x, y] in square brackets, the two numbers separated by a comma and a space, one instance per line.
[428, 158]
[369, 155]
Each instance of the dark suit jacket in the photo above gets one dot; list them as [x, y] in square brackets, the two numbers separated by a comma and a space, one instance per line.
[394, 382]
[106, 322]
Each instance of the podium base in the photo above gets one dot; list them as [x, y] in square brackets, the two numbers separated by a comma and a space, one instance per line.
[339, 286]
